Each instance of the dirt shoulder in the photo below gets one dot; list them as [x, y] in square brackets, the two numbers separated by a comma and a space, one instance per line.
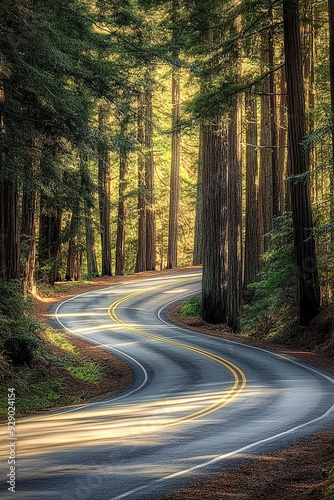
[295, 473]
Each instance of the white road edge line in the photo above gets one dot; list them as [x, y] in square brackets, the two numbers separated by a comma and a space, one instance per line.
[273, 353]
[244, 448]
[222, 457]
[112, 399]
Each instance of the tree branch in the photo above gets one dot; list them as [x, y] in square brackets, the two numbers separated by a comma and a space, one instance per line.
[240, 90]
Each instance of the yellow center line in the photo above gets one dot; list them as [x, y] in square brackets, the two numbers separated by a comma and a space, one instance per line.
[239, 376]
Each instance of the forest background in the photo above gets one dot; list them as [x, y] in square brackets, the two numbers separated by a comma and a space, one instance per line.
[152, 134]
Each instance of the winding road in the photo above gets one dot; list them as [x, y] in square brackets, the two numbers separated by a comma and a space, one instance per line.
[198, 403]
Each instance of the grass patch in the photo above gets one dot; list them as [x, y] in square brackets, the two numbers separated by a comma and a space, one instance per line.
[329, 473]
[71, 361]
[46, 290]
[191, 307]
[58, 340]
[89, 372]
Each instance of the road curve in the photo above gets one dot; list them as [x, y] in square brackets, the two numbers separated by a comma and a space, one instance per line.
[198, 403]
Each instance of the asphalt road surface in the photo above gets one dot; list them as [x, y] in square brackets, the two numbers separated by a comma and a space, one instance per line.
[198, 404]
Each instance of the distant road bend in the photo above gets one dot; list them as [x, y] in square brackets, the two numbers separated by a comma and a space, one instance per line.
[198, 403]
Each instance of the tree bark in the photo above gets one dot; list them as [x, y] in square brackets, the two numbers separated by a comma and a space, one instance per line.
[121, 219]
[74, 258]
[234, 206]
[11, 229]
[282, 142]
[28, 226]
[198, 237]
[266, 168]
[92, 267]
[331, 73]
[104, 197]
[305, 254]
[141, 252]
[276, 180]
[174, 175]
[2, 178]
[149, 180]
[88, 204]
[252, 236]
[9, 202]
[214, 163]
[49, 250]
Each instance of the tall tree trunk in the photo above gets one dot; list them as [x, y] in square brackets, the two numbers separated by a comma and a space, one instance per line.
[198, 237]
[104, 197]
[214, 163]
[174, 175]
[305, 254]
[276, 180]
[28, 226]
[149, 180]
[74, 257]
[11, 229]
[2, 231]
[252, 236]
[2, 178]
[234, 206]
[282, 135]
[121, 220]
[141, 252]
[266, 169]
[331, 73]
[49, 250]
[308, 51]
[88, 203]
[92, 267]
[9, 198]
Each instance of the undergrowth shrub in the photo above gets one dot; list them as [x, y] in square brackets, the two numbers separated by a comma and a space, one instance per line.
[89, 372]
[19, 340]
[191, 307]
[328, 472]
[272, 306]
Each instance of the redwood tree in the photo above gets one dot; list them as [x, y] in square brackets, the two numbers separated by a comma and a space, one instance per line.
[305, 254]
[121, 218]
[174, 175]
[29, 215]
[252, 237]
[149, 181]
[198, 236]
[141, 251]
[214, 167]
[104, 195]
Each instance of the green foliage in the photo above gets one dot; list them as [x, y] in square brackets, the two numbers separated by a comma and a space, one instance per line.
[72, 361]
[36, 390]
[89, 372]
[46, 290]
[50, 388]
[192, 307]
[19, 341]
[329, 473]
[272, 307]
[58, 340]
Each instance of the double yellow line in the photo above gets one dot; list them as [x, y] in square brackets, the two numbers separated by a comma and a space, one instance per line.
[228, 396]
